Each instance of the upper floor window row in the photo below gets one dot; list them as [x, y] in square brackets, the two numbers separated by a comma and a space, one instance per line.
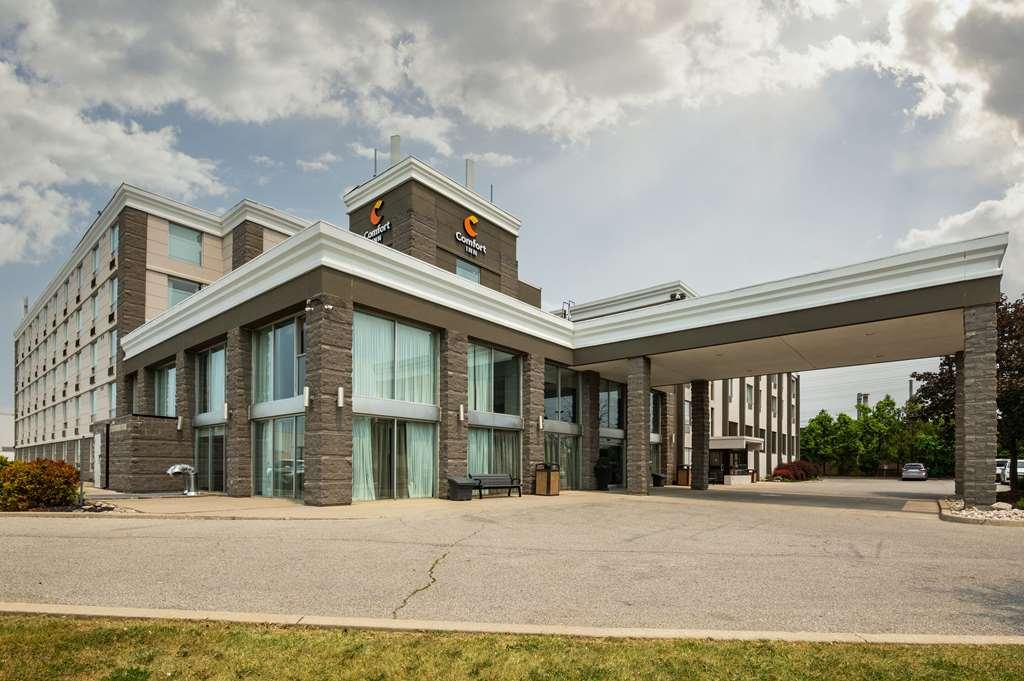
[493, 380]
[279, 360]
[392, 360]
[611, 400]
[561, 394]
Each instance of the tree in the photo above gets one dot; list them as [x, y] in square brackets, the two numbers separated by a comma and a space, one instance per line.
[817, 440]
[848, 447]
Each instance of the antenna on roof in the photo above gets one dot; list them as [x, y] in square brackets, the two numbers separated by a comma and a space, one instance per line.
[492, 192]
[567, 306]
[375, 162]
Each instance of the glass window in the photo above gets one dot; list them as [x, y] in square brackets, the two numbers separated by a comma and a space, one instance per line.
[565, 451]
[611, 404]
[165, 402]
[467, 270]
[210, 377]
[180, 289]
[494, 451]
[392, 458]
[750, 396]
[493, 380]
[391, 360]
[113, 345]
[278, 457]
[279, 361]
[185, 244]
[113, 401]
[551, 392]
[114, 238]
[656, 457]
[113, 293]
[95, 258]
[657, 402]
[569, 392]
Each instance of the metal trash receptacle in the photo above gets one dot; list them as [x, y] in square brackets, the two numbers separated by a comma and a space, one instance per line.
[657, 479]
[683, 476]
[547, 479]
[461, 489]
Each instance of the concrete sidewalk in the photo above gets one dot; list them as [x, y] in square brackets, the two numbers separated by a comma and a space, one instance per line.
[499, 628]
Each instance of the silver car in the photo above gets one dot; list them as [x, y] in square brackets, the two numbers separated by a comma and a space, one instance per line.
[914, 471]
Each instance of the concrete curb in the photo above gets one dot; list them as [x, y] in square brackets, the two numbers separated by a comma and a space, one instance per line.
[140, 515]
[944, 514]
[500, 628]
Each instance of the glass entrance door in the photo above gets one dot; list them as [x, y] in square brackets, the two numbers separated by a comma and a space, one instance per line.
[209, 458]
[610, 454]
[279, 457]
[392, 458]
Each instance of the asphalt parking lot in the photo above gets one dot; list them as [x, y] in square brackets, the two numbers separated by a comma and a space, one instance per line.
[838, 556]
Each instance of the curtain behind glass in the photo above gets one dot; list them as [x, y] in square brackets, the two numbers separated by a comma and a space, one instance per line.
[416, 458]
[506, 383]
[284, 457]
[263, 389]
[480, 378]
[382, 438]
[263, 460]
[414, 375]
[373, 356]
[202, 458]
[217, 459]
[284, 361]
[215, 379]
[300, 456]
[569, 461]
[479, 451]
[505, 452]
[362, 460]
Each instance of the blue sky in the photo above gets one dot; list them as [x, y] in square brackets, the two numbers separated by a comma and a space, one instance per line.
[738, 142]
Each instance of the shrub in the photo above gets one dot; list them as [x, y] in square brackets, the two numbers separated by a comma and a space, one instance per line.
[43, 483]
[796, 471]
[1020, 503]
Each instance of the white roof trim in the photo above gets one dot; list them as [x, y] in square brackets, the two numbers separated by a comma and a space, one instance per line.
[630, 300]
[411, 168]
[324, 244]
[173, 211]
[944, 264]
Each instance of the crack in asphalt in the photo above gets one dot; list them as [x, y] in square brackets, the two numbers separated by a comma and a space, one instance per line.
[431, 578]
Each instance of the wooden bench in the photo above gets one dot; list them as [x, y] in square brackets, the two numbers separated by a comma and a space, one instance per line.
[496, 481]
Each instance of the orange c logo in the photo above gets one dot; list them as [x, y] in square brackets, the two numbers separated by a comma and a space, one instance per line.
[374, 216]
[468, 223]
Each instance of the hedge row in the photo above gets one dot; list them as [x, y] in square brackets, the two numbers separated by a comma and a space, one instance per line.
[43, 483]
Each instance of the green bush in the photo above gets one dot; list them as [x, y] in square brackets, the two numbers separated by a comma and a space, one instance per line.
[1020, 504]
[44, 483]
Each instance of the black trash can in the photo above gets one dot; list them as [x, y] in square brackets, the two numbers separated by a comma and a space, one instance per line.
[659, 479]
[461, 489]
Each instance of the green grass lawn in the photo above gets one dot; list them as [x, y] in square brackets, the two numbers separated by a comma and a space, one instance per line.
[48, 648]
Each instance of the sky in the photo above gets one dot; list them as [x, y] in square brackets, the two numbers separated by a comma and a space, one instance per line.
[739, 141]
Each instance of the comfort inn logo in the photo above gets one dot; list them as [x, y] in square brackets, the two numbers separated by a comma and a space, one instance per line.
[379, 227]
[468, 240]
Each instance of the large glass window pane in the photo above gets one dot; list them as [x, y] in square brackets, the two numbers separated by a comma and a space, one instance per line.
[467, 270]
[300, 456]
[263, 345]
[551, 392]
[372, 456]
[506, 383]
[202, 458]
[284, 361]
[202, 383]
[373, 356]
[177, 291]
[216, 381]
[165, 401]
[217, 459]
[480, 378]
[185, 244]
[415, 460]
[569, 395]
[564, 450]
[415, 372]
[284, 457]
[479, 451]
[263, 460]
[505, 452]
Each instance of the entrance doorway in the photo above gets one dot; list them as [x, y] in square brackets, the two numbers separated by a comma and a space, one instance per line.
[610, 455]
[209, 458]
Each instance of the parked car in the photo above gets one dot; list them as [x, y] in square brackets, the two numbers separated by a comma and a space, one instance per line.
[914, 471]
[1001, 465]
[1004, 475]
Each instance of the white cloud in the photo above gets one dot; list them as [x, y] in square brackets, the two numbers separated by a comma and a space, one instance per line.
[318, 164]
[362, 150]
[263, 161]
[494, 159]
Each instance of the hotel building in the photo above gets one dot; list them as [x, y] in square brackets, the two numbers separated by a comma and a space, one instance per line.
[305, 360]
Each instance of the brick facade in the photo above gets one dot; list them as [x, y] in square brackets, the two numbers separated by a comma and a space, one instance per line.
[590, 425]
[638, 425]
[533, 413]
[238, 433]
[246, 243]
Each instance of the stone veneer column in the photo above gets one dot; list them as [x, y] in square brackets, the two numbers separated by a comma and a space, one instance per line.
[237, 392]
[533, 413]
[328, 453]
[978, 405]
[958, 424]
[454, 434]
[185, 393]
[145, 392]
[757, 427]
[638, 425]
[509, 277]
[590, 426]
[246, 243]
[796, 423]
[700, 433]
